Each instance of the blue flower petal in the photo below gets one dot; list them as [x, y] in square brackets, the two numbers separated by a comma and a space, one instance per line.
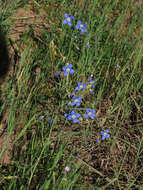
[102, 132]
[73, 103]
[66, 15]
[58, 73]
[64, 68]
[76, 89]
[103, 137]
[86, 115]
[72, 112]
[71, 71]
[93, 111]
[74, 97]
[77, 27]
[75, 120]
[50, 121]
[107, 136]
[78, 115]
[83, 30]
[70, 65]
[78, 103]
[69, 23]
[79, 22]
[65, 114]
[69, 117]
[87, 110]
[92, 116]
[65, 21]
[65, 74]
[107, 130]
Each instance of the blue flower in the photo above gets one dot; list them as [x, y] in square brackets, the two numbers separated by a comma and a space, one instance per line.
[88, 45]
[68, 19]
[50, 121]
[91, 91]
[97, 139]
[58, 73]
[80, 86]
[73, 116]
[68, 69]
[105, 134]
[90, 113]
[92, 82]
[76, 101]
[81, 27]
[66, 115]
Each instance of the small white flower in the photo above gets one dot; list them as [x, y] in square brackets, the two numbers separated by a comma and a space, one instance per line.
[118, 66]
[41, 117]
[67, 169]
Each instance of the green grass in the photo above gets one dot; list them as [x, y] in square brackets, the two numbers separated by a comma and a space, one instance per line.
[40, 150]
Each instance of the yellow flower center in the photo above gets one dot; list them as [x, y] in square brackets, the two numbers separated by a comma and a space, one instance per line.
[81, 86]
[105, 134]
[76, 100]
[68, 70]
[68, 19]
[89, 113]
[73, 116]
[81, 26]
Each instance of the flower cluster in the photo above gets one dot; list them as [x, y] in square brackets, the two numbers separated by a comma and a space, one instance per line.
[82, 88]
[77, 100]
[79, 26]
